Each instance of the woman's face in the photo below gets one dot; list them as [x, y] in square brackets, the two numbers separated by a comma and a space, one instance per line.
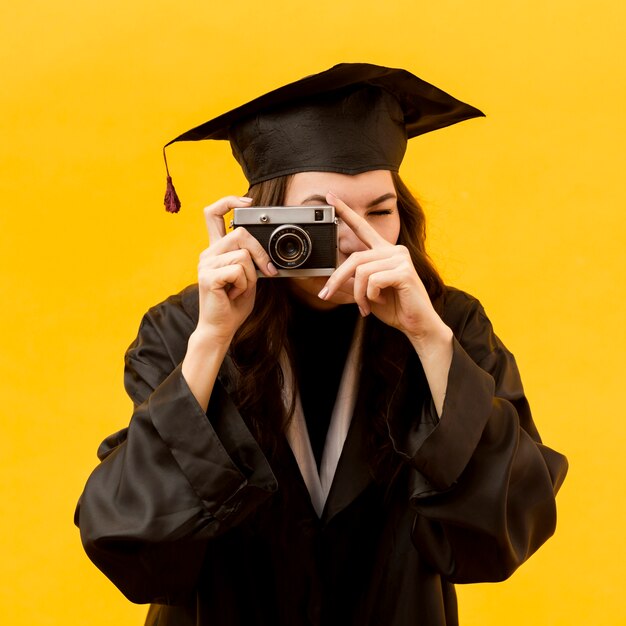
[371, 194]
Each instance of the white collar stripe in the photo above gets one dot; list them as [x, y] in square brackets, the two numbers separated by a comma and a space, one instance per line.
[319, 484]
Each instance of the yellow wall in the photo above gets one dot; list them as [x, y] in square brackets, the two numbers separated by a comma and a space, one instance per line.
[526, 211]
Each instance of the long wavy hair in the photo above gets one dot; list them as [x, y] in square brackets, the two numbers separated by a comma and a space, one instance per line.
[260, 340]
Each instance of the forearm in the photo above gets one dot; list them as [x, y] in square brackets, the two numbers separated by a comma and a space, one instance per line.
[484, 486]
[435, 353]
[201, 364]
[491, 503]
[172, 484]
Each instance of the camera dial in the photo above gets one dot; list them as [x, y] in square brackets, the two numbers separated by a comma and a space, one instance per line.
[289, 246]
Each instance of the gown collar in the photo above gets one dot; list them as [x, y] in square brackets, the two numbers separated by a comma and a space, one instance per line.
[319, 483]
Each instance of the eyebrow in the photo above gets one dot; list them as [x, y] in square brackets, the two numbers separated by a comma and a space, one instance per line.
[373, 203]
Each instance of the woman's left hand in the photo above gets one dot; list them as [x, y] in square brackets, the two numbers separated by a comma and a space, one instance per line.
[385, 282]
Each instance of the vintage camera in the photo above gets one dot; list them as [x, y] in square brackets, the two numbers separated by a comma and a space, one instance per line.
[300, 240]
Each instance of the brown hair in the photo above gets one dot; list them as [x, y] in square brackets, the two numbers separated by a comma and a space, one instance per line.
[259, 341]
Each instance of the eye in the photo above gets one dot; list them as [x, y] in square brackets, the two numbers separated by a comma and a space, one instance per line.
[380, 212]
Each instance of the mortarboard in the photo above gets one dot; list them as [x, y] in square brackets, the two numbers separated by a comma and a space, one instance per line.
[352, 118]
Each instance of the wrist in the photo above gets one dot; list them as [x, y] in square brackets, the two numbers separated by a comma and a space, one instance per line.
[204, 339]
[205, 353]
[432, 342]
[434, 349]
[204, 356]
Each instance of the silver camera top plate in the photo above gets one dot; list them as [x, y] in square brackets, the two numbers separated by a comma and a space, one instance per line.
[321, 214]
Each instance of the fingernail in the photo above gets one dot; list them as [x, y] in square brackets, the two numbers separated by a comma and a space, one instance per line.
[362, 312]
[330, 193]
[271, 268]
[322, 294]
[246, 199]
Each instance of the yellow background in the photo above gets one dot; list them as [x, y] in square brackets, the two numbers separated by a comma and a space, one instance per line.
[526, 211]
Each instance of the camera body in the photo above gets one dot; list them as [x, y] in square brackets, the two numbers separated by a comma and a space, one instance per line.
[300, 240]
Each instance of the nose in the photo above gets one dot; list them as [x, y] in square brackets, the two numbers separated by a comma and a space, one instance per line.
[347, 241]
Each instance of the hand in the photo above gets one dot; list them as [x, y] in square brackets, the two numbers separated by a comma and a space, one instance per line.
[385, 282]
[227, 273]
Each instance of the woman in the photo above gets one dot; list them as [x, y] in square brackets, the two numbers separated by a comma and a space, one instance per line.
[320, 450]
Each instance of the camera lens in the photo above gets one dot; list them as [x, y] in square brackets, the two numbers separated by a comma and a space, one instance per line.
[289, 246]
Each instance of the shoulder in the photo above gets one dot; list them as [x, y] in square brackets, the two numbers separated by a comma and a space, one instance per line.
[466, 316]
[160, 344]
[458, 306]
[165, 328]
[181, 307]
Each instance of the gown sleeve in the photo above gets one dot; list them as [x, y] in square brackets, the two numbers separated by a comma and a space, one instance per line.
[176, 478]
[483, 484]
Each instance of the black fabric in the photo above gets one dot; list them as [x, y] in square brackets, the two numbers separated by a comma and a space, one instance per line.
[352, 118]
[185, 511]
[320, 342]
[348, 132]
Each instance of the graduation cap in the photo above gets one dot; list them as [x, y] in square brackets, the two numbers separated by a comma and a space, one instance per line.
[352, 118]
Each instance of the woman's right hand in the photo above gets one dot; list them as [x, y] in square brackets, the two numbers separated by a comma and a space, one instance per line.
[227, 273]
[227, 288]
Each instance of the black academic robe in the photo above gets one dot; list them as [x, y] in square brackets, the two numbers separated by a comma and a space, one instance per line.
[186, 512]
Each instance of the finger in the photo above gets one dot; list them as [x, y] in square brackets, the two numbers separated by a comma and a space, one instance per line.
[365, 287]
[380, 281]
[214, 215]
[359, 226]
[344, 296]
[241, 239]
[400, 275]
[348, 269]
[240, 286]
[234, 257]
[231, 278]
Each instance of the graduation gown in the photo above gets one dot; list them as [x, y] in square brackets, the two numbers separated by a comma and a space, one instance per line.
[185, 511]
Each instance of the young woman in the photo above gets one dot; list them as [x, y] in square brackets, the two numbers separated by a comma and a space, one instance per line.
[320, 450]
